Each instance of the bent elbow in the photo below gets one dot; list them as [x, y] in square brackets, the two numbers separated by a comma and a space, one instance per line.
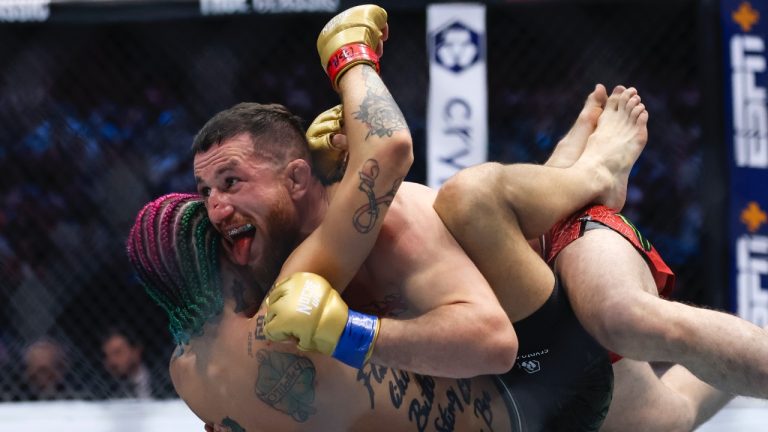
[402, 151]
[498, 350]
[503, 353]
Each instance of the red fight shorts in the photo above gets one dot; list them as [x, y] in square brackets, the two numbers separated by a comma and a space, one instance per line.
[571, 228]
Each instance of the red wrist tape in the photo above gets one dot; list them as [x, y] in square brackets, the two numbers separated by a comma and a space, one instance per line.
[348, 56]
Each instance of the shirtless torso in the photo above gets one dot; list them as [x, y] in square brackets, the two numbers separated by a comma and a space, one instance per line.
[232, 372]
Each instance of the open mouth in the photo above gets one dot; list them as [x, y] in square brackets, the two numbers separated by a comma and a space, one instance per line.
[240, 231]
[241, 238]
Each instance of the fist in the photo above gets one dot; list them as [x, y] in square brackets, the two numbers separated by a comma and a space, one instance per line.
[327, 145]
[360, 31]
[307, 309]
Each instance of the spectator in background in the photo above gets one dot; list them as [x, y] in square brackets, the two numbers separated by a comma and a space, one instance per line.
[45, 374]
[123, 360]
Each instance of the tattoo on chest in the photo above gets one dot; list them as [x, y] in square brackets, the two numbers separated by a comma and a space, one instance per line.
[228, 425]
[286, 382]
[420, 406]
[365, 217]
[378, 110]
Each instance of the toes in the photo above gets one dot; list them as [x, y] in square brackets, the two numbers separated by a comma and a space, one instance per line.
[600, 94]
[613, 101]
[636, 111]
[633, 102]
[625, 96]
[642, 120]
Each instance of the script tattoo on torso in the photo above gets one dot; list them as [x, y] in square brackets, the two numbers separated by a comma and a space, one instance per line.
[420, 407]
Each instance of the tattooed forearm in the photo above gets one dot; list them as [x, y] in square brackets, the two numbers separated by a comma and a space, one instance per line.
[378, 111]
[365, 217]
[286, 382]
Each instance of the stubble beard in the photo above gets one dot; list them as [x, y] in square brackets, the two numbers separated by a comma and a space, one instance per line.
[282, 238]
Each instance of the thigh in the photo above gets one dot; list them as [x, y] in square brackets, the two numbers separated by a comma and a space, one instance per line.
[601, 270]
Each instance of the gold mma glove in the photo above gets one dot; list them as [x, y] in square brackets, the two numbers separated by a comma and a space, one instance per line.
[305, 307]
[349, 38]
[328, 160]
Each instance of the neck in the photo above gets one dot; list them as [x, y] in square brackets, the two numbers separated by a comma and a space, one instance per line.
[313, 206]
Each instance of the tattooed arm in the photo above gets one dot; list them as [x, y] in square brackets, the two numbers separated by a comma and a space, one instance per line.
[380, 154]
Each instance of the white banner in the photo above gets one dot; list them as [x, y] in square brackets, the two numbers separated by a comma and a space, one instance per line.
[457, 112]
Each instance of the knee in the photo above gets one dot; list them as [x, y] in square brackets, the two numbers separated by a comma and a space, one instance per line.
[459, 197]
[633, 327]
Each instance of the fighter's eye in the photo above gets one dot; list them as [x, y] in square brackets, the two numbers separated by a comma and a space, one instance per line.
[231, 181]
[205, 191]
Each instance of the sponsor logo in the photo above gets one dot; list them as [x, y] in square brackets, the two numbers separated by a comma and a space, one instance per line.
[533, 354]
[24, 10]
[750, 117]
[751, 274]
[458, 133]
[456, 47]
[530, 366]
[309, 298]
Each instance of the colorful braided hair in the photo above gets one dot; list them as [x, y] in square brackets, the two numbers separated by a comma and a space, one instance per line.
[175, 253]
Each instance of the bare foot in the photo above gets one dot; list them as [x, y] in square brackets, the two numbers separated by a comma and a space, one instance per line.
[570, 147]
[616, 144]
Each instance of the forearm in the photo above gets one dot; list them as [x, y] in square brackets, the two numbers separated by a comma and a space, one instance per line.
[380, 155]
[457, 341]
[374, 126]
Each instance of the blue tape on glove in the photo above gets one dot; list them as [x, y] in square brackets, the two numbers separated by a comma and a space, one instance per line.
[356, 339]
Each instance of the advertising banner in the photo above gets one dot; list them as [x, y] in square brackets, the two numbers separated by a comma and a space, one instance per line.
[457, 111]
[745, 30]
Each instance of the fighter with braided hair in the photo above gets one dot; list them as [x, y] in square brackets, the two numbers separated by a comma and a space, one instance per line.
[233, 378]
[180, 275]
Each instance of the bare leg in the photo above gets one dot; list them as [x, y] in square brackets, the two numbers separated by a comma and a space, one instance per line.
[614, 297]
[704, 399]
[678, 401]
[524, 201]
[539, 196]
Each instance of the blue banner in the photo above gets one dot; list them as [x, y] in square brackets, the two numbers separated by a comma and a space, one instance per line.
[745, 32]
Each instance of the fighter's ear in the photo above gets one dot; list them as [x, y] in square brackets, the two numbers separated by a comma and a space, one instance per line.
[299, 176]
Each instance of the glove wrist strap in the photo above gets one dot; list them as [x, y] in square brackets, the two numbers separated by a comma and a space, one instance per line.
[346, 57]
[357, 339]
